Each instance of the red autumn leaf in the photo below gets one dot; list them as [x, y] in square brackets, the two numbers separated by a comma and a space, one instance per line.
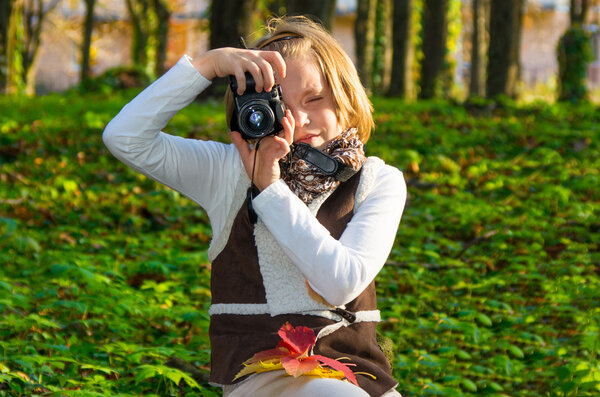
[268, 355]
[338, 366]
[291, 354]
[297, 367]
[298, 340]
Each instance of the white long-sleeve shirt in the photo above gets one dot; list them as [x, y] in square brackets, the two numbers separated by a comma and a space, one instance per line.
[207, 172]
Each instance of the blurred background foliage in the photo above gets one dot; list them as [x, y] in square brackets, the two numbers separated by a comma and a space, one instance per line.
[403, 48]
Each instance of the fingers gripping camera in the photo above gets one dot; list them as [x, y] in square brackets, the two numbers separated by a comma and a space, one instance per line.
[256, 114]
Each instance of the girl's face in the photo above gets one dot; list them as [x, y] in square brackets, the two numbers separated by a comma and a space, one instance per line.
[308, 96]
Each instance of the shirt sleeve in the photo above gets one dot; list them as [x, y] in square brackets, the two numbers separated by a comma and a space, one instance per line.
[338, 270]
[204, 171]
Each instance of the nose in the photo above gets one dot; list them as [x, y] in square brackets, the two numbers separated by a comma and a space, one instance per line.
[300, 117]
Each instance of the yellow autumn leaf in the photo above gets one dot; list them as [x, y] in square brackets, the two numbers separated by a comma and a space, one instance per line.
[323, 372]
[258, 367]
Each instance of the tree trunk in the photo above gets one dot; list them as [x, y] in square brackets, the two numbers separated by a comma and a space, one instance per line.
[364, 38]
[578, 11]
[137, 11]
[386, 20]
[323, 10]
[5, 9]
[21, 25]
[162, 35]
[32, 10]
[503, 52]
[382, 51]
[229, 20]
[401, 81]
[478, 48]
[5, 13]
[574, 53]
[34, 13]
[435, 32]
[87, 40]
[516, 48]
[150, 28]
[14, 43]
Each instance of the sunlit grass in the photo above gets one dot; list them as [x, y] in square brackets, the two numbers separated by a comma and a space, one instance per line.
[491, 288]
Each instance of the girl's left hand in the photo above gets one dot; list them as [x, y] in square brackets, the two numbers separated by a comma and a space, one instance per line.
[271, 149]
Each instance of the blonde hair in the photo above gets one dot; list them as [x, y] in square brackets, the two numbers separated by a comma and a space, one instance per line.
[297, 36]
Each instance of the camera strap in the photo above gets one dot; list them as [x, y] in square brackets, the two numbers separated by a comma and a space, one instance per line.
[252, 215]
[325, 163]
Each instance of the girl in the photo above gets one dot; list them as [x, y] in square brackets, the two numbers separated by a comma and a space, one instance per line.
[310, 258]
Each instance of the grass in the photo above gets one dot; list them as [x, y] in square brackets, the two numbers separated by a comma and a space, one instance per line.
[491, 288]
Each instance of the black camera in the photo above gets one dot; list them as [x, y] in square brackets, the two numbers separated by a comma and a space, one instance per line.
[256, 114]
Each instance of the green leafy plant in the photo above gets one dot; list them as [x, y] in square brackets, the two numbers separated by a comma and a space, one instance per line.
[574, 53]
[491, 287]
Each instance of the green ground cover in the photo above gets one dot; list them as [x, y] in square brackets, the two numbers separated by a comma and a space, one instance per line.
[493, 286]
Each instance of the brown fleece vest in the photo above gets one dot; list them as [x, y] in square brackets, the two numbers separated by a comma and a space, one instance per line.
[236, 278]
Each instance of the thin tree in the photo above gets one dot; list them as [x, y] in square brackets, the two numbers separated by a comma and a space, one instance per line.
[138, 11]
[14, 40]
[34, 14]
[163, 15]
[435, 32]
[229, 20]
[382, 49]
[88, 27]
[364, 39]
[5, 10]
[478, 48]
[503, 52]
[385, 26]
[150, 24]
[574, 53]
[402, 54]
[323, 10]
[5, 13]
[578, 11]
[21, 24]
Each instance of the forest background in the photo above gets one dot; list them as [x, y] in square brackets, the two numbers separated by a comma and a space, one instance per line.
[492, 285]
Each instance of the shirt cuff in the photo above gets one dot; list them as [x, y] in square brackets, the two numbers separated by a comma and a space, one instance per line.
[274, 191]
[185, 65]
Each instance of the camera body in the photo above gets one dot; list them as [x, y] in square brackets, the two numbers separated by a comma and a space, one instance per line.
[256, 114]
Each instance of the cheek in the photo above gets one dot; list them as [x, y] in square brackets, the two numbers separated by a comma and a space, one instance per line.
[331, 125]
[333, 122]
[332, 116]
[325, 116]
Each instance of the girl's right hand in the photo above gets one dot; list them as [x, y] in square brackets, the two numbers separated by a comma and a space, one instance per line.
[264, 166]
[222, 62]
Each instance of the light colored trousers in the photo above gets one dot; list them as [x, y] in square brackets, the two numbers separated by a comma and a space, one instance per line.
[274, 384]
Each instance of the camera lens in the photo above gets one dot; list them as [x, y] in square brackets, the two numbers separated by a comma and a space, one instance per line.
[256, 119]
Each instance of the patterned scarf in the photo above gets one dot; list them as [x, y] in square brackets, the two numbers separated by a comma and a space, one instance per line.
[307, 182]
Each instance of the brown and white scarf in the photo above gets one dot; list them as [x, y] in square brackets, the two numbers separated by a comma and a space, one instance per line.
[307, 182]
